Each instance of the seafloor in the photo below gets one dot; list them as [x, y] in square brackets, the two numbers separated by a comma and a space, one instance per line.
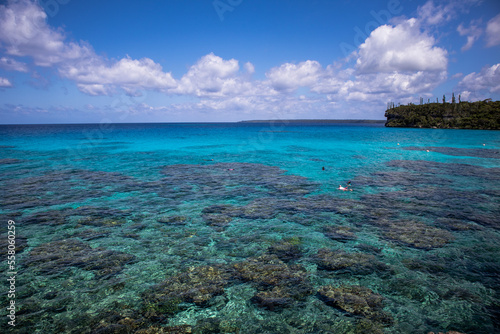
[222, 246]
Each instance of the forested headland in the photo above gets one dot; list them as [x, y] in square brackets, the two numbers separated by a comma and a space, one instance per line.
[483, 115]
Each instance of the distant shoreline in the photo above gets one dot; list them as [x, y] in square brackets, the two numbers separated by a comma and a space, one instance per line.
[326, 121]
[479, 115]
[282, 121]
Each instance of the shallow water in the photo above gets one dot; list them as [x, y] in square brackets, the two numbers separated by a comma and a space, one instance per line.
[237, 228]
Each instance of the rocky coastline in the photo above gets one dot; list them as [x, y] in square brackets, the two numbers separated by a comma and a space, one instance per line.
[482, 115]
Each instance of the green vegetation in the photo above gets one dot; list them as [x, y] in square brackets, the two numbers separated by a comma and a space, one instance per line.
[483, 115]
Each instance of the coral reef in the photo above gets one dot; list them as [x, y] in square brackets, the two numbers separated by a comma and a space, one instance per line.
[194, 285]
[55, 256]
[352, 263]
[339, 233]
[356, 300]
[173, 220]
[416, 234]
[279, 284]
[287, 249]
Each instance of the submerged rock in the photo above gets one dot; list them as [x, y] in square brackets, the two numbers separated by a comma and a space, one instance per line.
[194, 285]
[65, 186]
[173, 220]
[21, 243]
[218, 216]
[416, 234]
[52, 257]
[287, 250]
[182, 329]
[280, 285]
[353, 263]
[217, 181]
[339, 233]
[277, 298]
[356, 300]
[9, 161]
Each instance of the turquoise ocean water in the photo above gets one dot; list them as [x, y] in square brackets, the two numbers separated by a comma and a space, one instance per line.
[240, 228]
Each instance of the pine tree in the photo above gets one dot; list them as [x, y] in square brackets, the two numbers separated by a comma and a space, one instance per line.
[452, 98]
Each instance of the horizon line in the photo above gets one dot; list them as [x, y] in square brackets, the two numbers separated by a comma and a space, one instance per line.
[310, 120]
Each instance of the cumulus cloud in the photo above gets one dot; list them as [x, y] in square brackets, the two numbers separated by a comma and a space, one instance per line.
[24, 32]
[96, 77]
[473, 32]
[430, 14]
[493, 31]
[291, 76]
[398, 85]
[5, 82]
[10, 64]
[250, 68]
[395, 62]
[400, 48]
[486, 80]
[211, 75]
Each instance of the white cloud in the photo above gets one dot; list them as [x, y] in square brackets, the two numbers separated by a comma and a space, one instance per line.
[430, 14]
[5, 82]
[433, 15]
[10, 64]
[488, 80]
[292, 76]
[24, 32]
[400, 48]
[472, 33]
[250, 68]
[399, 85]
[95, 77]
[95, 89]
[394, 63]
[493, 31]
[212, 76]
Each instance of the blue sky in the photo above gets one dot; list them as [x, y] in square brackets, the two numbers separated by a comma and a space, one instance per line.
[73, 61]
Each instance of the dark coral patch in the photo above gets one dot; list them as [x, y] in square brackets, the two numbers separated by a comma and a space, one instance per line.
[280, 285]
[339, 233]
[352, 263]
[173, 220]
[287, 250]
[356, 300]
[8, 161]
[194, 285]
[416, 234]
[53, 257]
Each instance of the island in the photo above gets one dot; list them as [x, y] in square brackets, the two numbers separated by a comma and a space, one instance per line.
[317, 121]
[483, 115]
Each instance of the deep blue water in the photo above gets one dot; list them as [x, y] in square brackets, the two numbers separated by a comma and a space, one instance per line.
[240, 228]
